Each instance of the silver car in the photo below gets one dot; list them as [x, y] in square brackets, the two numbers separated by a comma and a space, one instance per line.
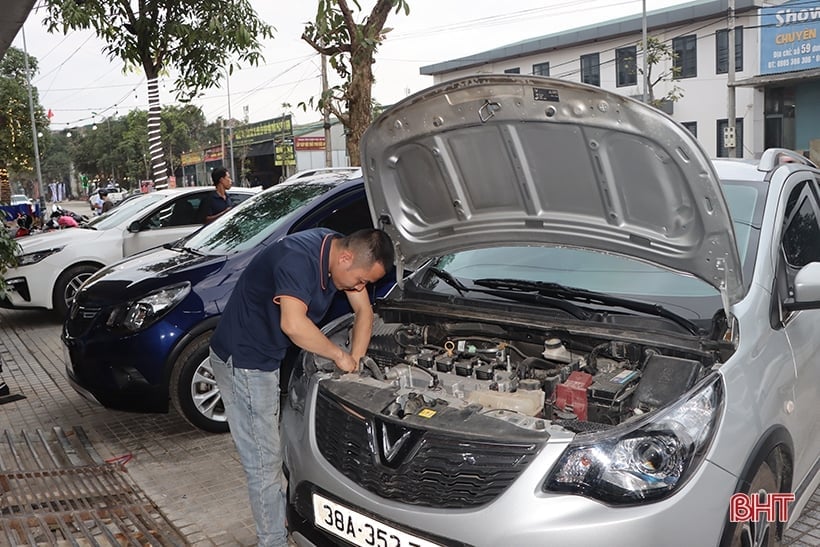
[607, 337]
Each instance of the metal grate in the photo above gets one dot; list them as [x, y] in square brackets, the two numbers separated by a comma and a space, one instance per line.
[58, 491]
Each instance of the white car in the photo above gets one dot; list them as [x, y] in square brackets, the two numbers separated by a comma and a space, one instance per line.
[352, 172]
[21, 199]
[52, 266]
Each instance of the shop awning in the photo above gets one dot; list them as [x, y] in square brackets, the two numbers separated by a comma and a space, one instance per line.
[779, 79]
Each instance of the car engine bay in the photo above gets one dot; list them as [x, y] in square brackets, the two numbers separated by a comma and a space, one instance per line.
[522, 376]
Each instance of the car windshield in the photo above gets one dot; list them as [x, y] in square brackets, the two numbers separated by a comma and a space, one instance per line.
[257, 218]
[124, 211]
[602, 272]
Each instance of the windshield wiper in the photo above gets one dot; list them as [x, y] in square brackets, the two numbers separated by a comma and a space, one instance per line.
[572, 309]
[448, 278]
[557, 290]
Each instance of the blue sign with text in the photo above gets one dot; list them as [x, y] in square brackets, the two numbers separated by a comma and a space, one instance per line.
[788, 37]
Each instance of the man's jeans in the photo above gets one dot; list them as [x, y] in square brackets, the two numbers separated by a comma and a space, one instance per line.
[251, 400]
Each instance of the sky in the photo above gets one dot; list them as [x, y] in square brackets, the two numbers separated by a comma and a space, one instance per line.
[80, 85]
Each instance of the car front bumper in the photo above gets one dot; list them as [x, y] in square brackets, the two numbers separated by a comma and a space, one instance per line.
[128, 372]
[523, 515]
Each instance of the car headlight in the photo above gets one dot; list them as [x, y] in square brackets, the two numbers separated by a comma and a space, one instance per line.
[140, 314]
[37, 256]
[646, 460]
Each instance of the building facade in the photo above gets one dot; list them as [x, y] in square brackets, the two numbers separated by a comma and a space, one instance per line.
[776, 83]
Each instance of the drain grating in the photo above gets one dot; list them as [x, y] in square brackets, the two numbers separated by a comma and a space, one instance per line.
[58, 491]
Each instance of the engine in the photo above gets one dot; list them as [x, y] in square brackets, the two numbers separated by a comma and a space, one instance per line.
[579, 383]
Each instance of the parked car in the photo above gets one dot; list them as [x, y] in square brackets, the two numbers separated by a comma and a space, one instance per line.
[115, 195]
[609, 334]
[21, 199]
[139, 330]
[329, 171]
[53, 265]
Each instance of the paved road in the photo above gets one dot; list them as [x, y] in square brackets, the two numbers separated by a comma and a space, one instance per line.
[194, 477]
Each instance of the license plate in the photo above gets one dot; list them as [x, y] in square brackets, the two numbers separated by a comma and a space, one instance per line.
[359, 529]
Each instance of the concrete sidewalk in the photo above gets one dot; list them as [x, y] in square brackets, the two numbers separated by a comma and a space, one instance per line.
[193, 477]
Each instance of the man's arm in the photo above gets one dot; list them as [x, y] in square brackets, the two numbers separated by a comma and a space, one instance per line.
[304, 333]
[362, 324]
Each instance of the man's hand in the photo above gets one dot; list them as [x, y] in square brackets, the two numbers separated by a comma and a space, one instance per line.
[346, 362]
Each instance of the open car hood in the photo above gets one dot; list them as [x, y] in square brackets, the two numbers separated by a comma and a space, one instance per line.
[503, 159]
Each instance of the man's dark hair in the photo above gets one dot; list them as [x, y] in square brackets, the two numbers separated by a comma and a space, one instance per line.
[103, 193]
[217, 174]
[371, 246]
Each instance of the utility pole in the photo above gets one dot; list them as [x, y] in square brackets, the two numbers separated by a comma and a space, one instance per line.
[230, 124]
[326, 115]
[730, 137]
[33, 127]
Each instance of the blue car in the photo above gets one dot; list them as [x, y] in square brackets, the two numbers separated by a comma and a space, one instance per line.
[137, 334]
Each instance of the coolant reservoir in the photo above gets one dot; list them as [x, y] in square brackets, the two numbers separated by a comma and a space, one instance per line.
[530, 403]
[555, 350]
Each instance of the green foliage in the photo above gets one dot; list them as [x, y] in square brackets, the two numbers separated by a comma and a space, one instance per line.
[16, 139]
[9, 248]
[194, 39]
[118, 148]
[660, 55]
[350, 47]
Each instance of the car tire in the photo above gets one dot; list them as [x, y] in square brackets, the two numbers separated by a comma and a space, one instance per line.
[67, 285]
[193, 388]
[759, 532]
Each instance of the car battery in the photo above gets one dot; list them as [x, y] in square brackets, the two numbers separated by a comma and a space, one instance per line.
[610, 393]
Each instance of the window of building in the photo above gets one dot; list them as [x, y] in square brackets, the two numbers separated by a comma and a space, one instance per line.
[541, 69]
[686, 56]
[692, 127]
[722, 50]
[721, 126]
[626, 66]
[516, 70]
[591, 69]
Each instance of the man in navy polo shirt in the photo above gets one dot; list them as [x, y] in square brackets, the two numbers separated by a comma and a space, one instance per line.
[218, 202]
[285, 290]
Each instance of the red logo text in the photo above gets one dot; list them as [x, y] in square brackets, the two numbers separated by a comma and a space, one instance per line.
[774, 506]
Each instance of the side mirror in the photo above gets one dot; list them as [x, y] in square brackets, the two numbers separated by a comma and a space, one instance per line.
[806, 289]
[135, 227]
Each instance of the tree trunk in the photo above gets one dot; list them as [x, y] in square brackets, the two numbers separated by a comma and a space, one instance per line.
[360, 94]
[160, 172]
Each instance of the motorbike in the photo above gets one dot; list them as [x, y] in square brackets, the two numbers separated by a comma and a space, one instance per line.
[59, 219]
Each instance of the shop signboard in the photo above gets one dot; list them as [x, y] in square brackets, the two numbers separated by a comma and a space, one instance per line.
[309, 143]
[788, 37]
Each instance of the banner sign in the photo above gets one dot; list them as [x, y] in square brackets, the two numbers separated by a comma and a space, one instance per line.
[309, 143]
[284, 154]
[191, 158]
[213, 154]
[788, 37]
[263, 131]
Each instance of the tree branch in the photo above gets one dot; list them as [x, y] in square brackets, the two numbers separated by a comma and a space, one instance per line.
[325, 50]
[378, 17]
[350, 22]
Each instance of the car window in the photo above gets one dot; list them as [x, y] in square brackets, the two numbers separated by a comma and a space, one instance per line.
[801, 236]
[602, 272]
[180, 212]
[249, 224]
[124, 211]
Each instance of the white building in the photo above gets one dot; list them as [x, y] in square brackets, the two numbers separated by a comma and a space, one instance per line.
[777, 68]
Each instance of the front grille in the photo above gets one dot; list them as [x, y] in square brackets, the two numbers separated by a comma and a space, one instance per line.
[443, 471]
[81, 318]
